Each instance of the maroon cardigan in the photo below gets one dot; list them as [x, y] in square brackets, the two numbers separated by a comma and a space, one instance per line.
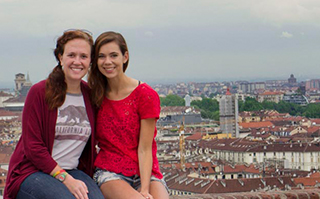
[34, 149]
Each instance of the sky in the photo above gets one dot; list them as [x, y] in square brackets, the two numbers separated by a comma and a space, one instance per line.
[170, 40]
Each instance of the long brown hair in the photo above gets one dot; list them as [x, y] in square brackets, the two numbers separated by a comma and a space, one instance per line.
[56, 87]
[96, 80]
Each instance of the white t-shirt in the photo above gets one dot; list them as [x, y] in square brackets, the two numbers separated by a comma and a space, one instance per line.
[72, 132]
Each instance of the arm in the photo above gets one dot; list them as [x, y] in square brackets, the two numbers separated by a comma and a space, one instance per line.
[36, 135]
[145, 153]
[76, 187]
[149, 110]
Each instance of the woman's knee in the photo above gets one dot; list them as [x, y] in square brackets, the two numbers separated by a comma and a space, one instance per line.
[159, 190]
[41, 185]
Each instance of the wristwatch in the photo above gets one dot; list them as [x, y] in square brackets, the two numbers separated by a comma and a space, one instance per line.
[62, 176]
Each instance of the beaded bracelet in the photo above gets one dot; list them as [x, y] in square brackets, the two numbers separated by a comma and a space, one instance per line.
[58, 172]
[62, 176]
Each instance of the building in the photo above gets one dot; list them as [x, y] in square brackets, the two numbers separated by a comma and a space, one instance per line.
[22, 85]
[275, 84]
[177, 119]
[247, 87]
[3, 97]
[302, 156]
[296, 99]
[19, 81]
[313, 84]
[187, 99]
[292, 80]
[228, 107]
[177, 110]
[14, 104]
[22, 88]
[270, 96]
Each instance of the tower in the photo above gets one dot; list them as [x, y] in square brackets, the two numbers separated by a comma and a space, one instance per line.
[187, 99]
[26, 86]
[182, 145]
[19, 81]
[228, 107]
[292, 79]
[28, 82]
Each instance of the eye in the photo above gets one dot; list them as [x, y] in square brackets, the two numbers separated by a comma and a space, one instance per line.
[71, 55]
[114, 55]
[84, 56]
[101, 56]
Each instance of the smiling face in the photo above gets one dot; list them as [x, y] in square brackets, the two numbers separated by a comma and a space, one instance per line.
[110, 60]
[75, 60]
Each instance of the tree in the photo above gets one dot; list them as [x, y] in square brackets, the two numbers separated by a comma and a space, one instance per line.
[211, 95]
[209, 108]
[291, 108]
[250, 104]
[312, 111]
[216, 115]
[172, 100]
[269, 105]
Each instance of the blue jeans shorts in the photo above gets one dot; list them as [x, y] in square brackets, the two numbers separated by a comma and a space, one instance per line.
[101, 176]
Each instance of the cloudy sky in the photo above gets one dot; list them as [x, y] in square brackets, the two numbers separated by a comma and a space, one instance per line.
[171, 40]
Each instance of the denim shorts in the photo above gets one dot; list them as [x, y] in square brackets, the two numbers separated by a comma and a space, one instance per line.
[101, 176]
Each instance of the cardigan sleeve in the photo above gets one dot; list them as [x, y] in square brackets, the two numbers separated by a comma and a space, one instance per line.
[36, 131]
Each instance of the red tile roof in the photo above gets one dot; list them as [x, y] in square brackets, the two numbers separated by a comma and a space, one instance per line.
[196, 136]
[313, 129]
[316, 121]
[8, 113]
[256, 124]
[308, 181]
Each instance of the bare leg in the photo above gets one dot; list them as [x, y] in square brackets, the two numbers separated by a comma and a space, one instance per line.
[119, 189]
[158, 191]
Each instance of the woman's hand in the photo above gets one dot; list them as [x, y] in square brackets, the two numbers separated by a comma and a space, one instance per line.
[76, 187]
[146, 195]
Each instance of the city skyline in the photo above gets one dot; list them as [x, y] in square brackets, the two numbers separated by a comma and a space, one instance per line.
[11, 84]
[171, 41]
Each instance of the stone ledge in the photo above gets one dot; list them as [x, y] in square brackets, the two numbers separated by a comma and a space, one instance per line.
[292, 194]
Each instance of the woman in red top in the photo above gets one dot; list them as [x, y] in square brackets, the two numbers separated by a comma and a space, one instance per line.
[126, 125]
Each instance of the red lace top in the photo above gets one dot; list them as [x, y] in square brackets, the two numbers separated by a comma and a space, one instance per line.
[118, 129]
